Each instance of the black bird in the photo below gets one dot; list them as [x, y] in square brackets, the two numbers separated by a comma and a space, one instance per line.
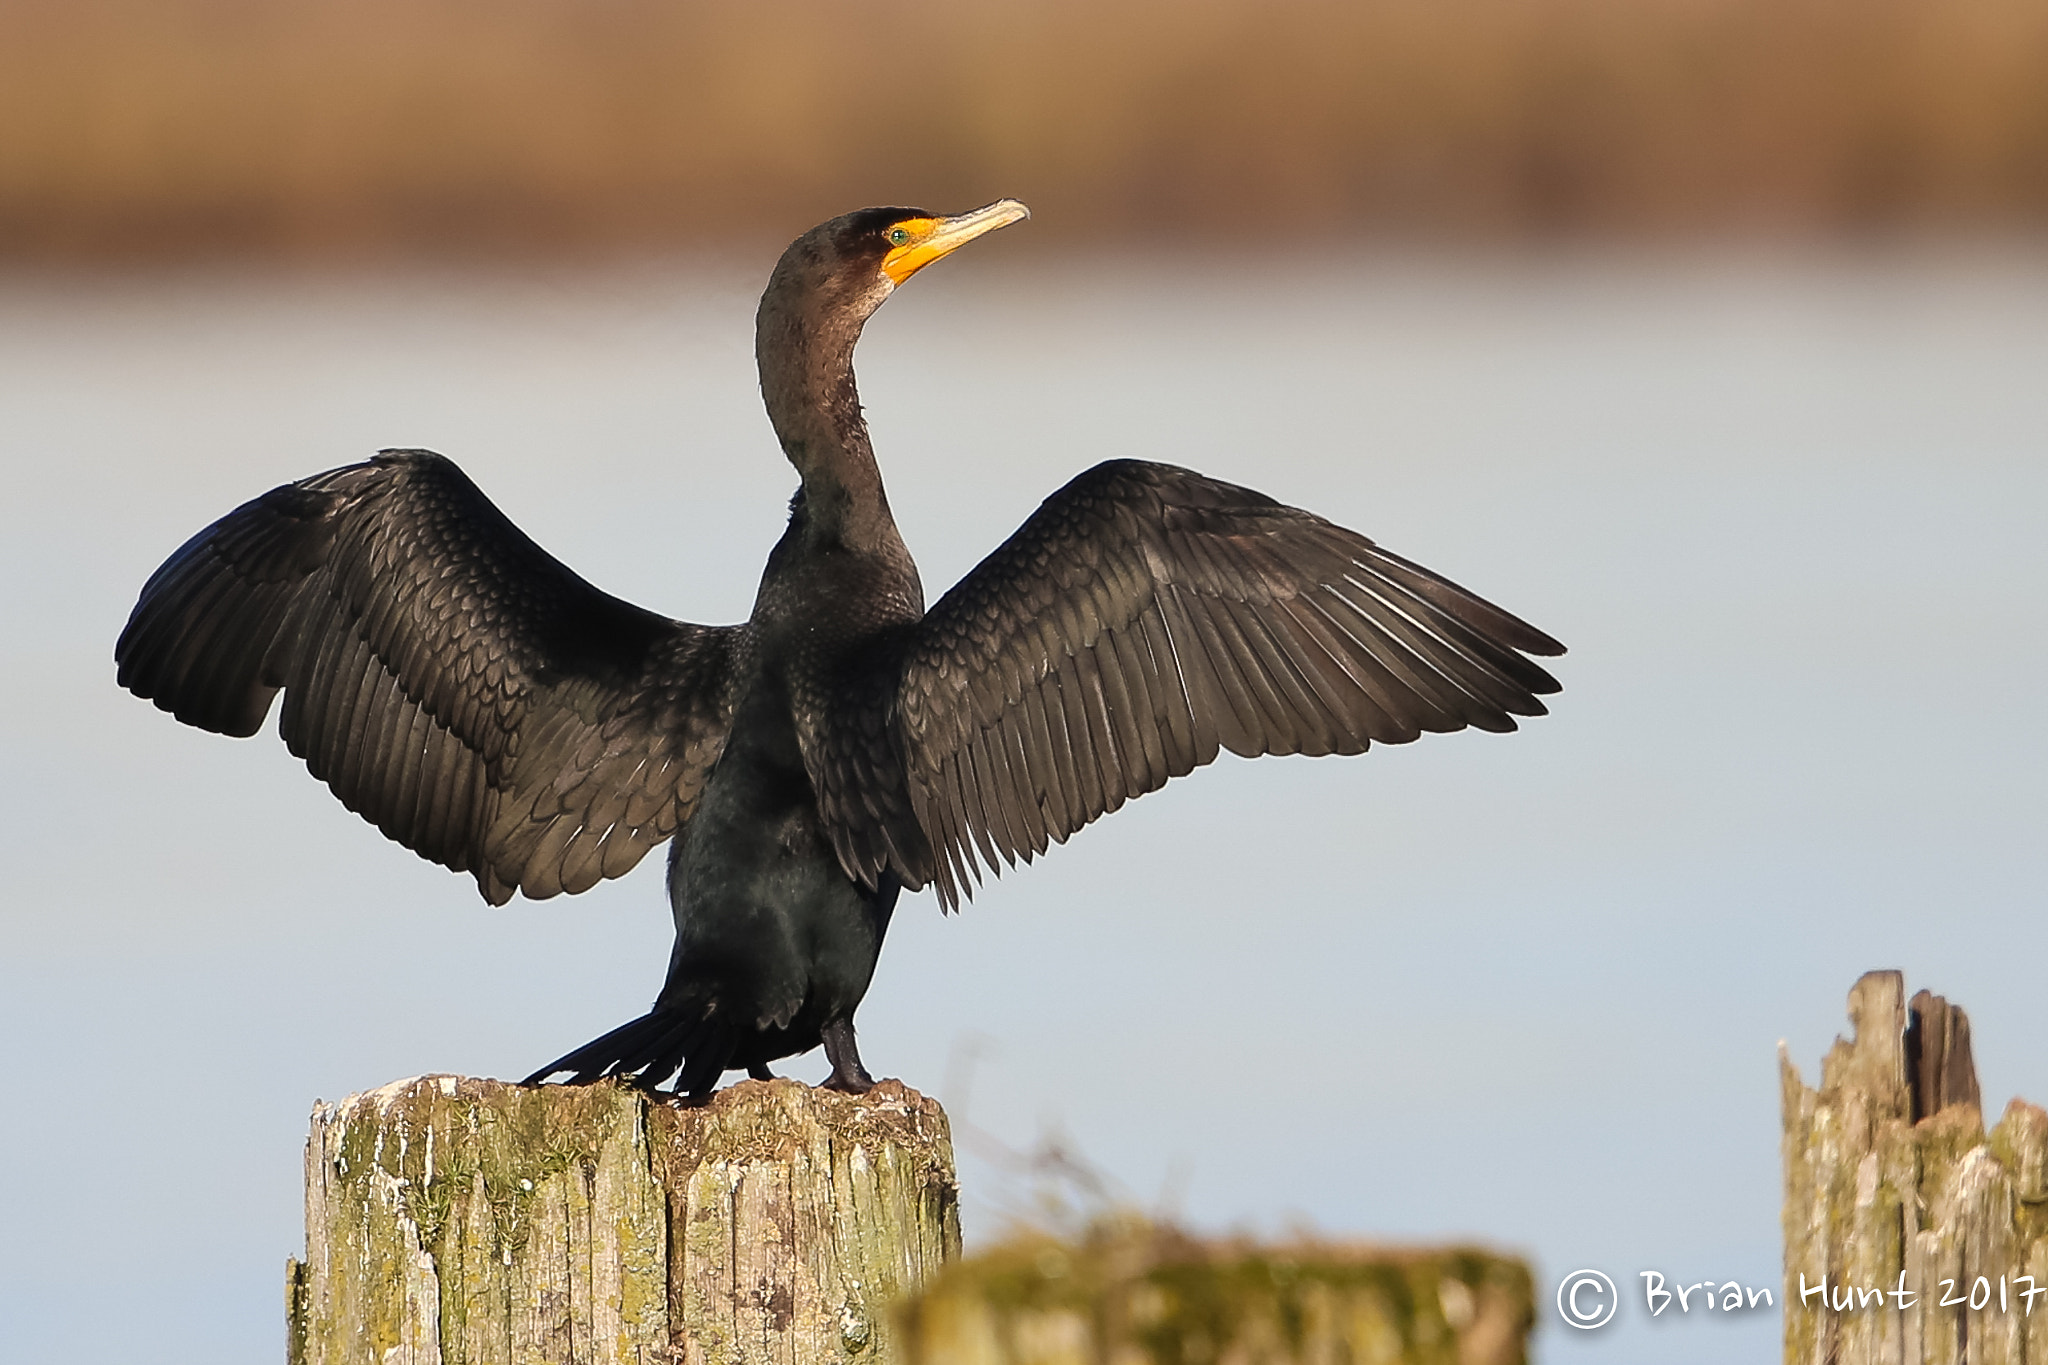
[482, 705]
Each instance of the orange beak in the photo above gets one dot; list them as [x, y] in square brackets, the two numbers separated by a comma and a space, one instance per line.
[931, 238]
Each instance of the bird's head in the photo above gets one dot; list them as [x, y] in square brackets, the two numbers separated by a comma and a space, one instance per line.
[832, 278]
[849, 265]
[824, 289]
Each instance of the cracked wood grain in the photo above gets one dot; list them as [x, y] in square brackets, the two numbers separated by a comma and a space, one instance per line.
[1892, 1184]
[454, 1221]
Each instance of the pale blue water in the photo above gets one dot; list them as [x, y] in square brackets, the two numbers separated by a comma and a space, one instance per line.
[1786, 509]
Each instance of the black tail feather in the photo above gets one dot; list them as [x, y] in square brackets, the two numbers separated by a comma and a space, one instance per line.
[650, 1049]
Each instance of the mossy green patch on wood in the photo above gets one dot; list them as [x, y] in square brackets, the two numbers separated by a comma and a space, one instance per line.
[802, 1212]
[469, 1222]
[1882, 1209]
[1137, 1294]
[425, 1200]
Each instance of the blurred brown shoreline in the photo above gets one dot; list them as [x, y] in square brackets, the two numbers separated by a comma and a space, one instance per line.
[152, 128]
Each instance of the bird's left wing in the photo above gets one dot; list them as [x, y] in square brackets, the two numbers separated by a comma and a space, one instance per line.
[453, 683]
[1145, 616]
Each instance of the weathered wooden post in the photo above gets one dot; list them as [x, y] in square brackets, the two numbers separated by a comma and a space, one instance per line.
[1911, 1236]
[452, 1221]
[1131, 1293]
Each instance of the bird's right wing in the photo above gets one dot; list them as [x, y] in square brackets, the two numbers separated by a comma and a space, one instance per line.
[450, 680]
[1145, 616]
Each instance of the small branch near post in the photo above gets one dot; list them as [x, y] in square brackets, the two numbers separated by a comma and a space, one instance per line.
[1912, 1237]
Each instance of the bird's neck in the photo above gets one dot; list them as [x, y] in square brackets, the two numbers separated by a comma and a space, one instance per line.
[807, 382]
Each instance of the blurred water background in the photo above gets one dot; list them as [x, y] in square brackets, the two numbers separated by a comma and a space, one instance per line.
[1709, 336]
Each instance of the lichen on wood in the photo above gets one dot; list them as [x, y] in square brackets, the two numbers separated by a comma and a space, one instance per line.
[453, 1221]
[1892, 1187]
[1131, 1293]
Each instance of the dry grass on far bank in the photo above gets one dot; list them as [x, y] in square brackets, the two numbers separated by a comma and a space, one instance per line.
[163, 126]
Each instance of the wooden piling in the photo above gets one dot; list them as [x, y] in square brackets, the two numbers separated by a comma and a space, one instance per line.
[452, 1221]
[1900, 1210]
[1132, 1293]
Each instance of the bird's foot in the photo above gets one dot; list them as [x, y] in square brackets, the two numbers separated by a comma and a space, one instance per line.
[857, 1084]
[759, 1071]
[848, 1075]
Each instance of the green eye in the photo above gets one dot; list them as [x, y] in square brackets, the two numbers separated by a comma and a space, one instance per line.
[898, 236]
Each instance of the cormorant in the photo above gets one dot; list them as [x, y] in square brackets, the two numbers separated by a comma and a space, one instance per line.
[482, 705]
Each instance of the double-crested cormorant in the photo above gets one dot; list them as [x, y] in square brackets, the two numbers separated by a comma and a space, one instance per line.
[484, 706]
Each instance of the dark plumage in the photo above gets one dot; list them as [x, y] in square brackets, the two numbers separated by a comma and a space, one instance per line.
[487, 708]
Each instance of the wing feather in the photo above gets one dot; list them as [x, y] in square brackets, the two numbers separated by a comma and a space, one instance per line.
[1147, 746]
[1382, 669]
[1271, 721]
[1014, 729]
[1207, 704]
[1244, 726]
[1048, 721]
[1015, 834]
[1171, 706]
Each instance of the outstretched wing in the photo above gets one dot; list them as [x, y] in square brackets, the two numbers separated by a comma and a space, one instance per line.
[450, 680]
[1146, 616]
